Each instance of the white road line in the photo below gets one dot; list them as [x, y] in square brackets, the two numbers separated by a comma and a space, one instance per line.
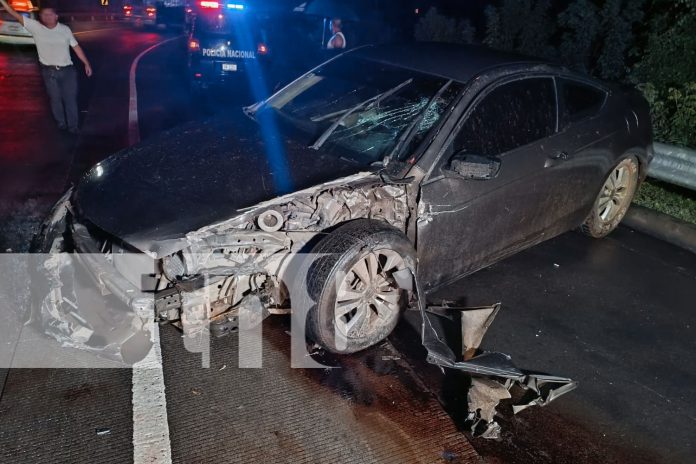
[133, 125]
[151, 443]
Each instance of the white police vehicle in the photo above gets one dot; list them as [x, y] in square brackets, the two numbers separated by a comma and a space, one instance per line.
[11, 31]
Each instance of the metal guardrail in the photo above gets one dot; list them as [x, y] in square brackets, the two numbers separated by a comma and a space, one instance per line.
[674, 165]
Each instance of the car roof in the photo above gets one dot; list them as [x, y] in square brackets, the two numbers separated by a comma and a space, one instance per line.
[452, 61]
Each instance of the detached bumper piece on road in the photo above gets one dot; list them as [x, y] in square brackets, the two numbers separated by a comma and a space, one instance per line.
[494, 374]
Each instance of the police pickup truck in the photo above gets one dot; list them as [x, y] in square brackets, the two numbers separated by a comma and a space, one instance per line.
[227, 41]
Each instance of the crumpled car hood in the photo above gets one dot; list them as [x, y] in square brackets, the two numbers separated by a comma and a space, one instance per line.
[193, 176]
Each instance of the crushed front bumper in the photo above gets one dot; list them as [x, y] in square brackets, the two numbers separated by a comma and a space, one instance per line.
[80, 299]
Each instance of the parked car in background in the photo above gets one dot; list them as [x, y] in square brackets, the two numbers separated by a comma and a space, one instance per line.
[163, 13]
[140, 13]
[389, 164]
[11, 31]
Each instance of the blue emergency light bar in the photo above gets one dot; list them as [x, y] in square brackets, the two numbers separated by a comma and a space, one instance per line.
[215, 5]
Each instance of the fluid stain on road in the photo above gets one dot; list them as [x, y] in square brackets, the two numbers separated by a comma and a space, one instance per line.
[388, 400]
[369, 408]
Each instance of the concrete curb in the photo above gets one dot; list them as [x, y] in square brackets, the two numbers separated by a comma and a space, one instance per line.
[662, 226]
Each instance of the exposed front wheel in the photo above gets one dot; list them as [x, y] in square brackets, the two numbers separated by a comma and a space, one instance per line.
[613, 200]
[359, 283]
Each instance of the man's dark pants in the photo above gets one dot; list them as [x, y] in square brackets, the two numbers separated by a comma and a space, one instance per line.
[61, 84]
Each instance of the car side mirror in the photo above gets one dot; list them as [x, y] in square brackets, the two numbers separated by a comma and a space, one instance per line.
[474, 166]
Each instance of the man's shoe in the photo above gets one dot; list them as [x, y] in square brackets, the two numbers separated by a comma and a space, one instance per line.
[62, 128]
[74, 131]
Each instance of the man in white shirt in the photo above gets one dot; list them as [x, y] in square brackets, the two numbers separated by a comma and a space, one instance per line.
[53, 42]
[338, 40]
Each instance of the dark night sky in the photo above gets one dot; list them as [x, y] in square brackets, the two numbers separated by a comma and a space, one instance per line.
[454, 7]
[472, 9]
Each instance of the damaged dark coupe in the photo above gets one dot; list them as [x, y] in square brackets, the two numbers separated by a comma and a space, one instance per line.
[399, 169]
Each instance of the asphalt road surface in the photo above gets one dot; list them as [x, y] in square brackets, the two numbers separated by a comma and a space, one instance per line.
[618, 315]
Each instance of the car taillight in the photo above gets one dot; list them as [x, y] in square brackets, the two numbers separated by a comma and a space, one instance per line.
[262, 49]
[151, 10]
[194, 45]
[210, 4]
[128, 10]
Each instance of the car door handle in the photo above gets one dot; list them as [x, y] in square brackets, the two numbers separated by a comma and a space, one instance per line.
[556, 159]
[560, 156]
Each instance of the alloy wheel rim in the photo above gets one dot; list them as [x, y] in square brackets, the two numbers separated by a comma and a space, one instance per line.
[368, 296]
[614, 194]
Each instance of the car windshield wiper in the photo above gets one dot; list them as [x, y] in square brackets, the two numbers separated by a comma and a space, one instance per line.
[250, 111]
[368, 104]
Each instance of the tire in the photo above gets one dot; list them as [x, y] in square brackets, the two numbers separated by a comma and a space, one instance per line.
[613, 199]
[334, 285]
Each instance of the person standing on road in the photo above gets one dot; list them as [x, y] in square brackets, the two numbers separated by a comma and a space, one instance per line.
[53, 42]
[337, 40]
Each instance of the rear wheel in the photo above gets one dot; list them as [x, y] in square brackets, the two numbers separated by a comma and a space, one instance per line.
[613, 200]
[356, 282]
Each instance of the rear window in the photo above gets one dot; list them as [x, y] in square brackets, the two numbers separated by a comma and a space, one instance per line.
[579, 101]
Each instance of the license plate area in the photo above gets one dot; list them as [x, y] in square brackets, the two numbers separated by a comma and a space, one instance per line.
[229, 67]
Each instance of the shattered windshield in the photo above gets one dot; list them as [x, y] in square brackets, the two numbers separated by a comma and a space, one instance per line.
[362, 109]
